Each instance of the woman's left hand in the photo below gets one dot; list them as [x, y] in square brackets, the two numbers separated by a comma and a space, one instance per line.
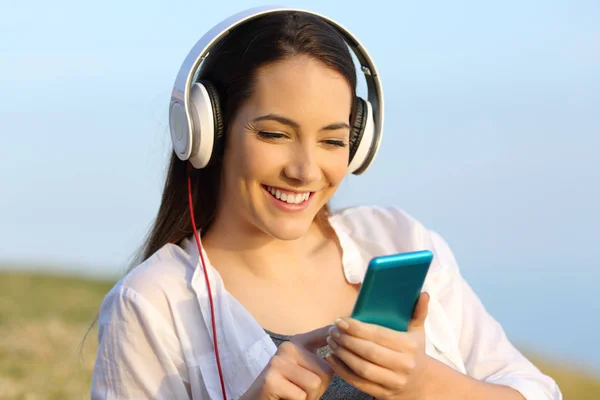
[382, 362]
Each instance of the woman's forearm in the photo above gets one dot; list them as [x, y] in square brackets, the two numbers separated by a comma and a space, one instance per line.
[443, 382]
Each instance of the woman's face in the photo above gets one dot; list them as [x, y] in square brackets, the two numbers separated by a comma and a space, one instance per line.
[287, 148]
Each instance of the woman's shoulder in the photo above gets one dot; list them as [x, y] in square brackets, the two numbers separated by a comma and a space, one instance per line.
[156, 283]
[379, 230]
[389, 216]
[391, 225]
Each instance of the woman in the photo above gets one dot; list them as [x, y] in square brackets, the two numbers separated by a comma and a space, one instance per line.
[284, 271]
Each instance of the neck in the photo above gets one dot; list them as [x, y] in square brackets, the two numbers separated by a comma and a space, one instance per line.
[232, 243]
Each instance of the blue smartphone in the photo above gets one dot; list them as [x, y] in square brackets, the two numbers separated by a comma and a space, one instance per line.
[391, 288]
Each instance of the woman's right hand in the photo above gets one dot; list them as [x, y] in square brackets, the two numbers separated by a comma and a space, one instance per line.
[295, 371]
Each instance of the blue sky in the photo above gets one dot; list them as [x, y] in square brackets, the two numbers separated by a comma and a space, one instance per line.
[492, 138]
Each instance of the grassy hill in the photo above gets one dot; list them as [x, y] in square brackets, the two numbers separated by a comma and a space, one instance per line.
[43, 320]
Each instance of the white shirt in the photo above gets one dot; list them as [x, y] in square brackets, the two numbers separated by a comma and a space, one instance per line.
[155, 332]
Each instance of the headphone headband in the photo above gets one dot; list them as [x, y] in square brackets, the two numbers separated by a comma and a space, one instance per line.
[179, 108]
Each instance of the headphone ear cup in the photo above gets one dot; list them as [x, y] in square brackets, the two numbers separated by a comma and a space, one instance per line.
[361, 136]
[215, 101]
[208, 124]
[358, 127]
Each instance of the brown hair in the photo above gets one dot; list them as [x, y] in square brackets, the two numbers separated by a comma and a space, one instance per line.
[231, 68]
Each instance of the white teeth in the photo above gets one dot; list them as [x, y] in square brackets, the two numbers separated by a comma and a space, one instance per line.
[288, 197]
[292, 199]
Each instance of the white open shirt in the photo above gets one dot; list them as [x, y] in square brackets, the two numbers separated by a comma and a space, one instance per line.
[155, 333]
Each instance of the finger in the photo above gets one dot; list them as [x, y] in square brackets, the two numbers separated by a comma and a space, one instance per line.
[318, 367]
[313, 340]
[381, 335]
[307, 360]
[383, 356]
[365, 369]
[307, 381]
[420, 313]
[353, 379]
[306, 345]
[283, 388]
[314, 363]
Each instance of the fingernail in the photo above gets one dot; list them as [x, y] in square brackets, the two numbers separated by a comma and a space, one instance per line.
[341, 324]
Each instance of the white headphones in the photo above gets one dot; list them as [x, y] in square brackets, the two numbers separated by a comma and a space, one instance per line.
[195, 117]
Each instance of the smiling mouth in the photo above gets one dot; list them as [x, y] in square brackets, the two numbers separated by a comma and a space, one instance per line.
[287, 196]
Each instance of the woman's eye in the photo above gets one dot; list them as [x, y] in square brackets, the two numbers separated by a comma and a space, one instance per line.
[270, 135]
[336, 143]
[278, 135]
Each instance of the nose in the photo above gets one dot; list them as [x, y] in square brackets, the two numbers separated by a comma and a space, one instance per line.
[303, 166]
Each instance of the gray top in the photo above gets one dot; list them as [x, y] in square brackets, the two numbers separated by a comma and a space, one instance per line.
[338, 388]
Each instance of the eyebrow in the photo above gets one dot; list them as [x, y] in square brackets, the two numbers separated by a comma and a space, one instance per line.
[286, 121]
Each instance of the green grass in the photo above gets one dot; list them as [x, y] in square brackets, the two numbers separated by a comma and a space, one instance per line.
[44, 318]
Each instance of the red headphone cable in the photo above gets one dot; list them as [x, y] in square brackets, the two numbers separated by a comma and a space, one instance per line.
[212, 309]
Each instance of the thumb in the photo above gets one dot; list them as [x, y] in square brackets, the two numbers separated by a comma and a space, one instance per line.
[420, 312]
[308, 343]
[313, 340]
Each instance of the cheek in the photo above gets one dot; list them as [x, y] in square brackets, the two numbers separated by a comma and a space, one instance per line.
[260, 160]
[335, 166]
